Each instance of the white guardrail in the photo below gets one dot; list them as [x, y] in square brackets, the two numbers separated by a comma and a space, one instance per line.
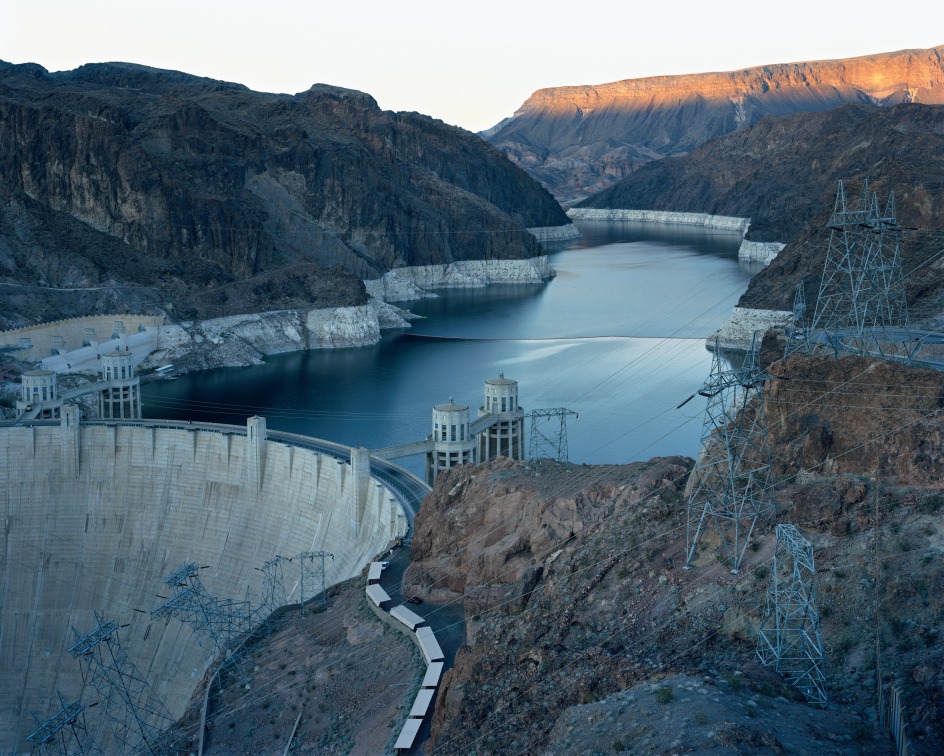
[430, 648]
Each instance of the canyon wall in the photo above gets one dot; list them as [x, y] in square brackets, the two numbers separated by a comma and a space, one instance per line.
[157, 189]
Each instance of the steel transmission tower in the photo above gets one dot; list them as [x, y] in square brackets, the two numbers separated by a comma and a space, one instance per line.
[65, 731]
[218, 623]
[789, 635]
[137, 716]
[798, 337]
[733, 480]
[862, 291]
[312, 576]
[274, 594]
[550, 443]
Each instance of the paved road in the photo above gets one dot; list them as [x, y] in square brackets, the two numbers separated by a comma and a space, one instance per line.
[447, 621]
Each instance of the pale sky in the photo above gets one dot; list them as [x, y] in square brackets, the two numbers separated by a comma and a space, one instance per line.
[470, 64]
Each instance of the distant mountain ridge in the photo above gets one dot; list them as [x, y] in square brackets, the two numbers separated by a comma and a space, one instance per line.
[579, 140]
[116, 173]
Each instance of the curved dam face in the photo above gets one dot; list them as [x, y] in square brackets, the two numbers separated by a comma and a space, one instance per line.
[97, 516]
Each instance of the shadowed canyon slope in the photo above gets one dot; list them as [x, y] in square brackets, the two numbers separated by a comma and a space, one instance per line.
[122, 174]
[579, 140]
[782, 173]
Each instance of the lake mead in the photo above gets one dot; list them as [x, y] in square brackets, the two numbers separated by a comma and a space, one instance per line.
[618, 337]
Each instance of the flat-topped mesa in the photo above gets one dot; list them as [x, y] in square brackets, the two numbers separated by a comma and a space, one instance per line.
[905, 76]
[578, 140]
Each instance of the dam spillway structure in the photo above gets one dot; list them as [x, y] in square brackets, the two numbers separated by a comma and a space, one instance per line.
[98, 513]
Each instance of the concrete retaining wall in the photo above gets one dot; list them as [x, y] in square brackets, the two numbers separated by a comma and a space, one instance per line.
[73, 332]
[143, 501]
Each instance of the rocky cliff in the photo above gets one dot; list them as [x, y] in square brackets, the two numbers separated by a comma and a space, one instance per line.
[580, 140]
[204, 193]
[584, 633]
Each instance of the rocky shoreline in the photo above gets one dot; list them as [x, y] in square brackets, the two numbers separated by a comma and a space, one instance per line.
[554, 233]
[240, 340]
[410, 283]
[744, 324]
[246, 339]
[705, 220]
[764, 252]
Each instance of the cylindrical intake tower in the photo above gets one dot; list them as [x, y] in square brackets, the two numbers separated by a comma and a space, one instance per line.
[122, 397]
[504, 438]
[453, 443]
[39, 386]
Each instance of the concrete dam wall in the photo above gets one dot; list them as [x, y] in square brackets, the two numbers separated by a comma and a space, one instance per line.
[97, 515]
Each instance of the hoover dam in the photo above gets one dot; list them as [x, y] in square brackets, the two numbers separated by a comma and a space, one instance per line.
[98, 514]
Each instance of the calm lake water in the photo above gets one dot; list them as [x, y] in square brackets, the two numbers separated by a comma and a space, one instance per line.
[617, 336]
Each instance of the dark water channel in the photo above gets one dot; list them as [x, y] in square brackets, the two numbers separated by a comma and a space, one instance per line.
[617, 336]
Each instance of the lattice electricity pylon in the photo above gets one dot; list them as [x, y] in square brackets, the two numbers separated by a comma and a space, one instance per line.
[733, 481]
[136, 715]
[789, 636]
[219, 624]
[862, 293]
[798, 337]
[550, 444]
[312, 575]
[886, 304]
[65, 731]
[274, 594]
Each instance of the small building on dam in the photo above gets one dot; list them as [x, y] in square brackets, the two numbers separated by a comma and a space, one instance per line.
[97, 514]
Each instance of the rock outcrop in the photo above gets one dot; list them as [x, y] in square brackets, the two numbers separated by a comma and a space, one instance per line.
[579, 140]
[116, 175]
[857, 415]
[490, 552]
